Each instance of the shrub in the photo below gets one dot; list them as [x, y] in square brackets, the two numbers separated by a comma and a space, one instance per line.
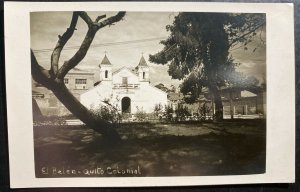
[204, 111]
[158, 110]
[182, 112]
[107, 113]
[140, 114]
[50, 120]
[168, 114]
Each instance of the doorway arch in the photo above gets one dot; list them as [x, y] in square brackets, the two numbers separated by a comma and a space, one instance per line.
[126, 105]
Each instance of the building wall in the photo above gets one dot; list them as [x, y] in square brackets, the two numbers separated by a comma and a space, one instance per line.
[50, 105]
[143, 74]
[71, 79]
[102, 71]
[118, 77]
[241, 106]
[147, 97]
[97, 95]
[253, 105]
[142, 95]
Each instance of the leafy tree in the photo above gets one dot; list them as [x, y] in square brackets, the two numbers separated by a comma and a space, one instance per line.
[197, 50]
[53, 78]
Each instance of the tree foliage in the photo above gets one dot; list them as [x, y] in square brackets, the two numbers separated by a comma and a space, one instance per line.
[197, 50]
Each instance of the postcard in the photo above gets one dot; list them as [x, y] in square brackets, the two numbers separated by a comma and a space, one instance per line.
[116, 94]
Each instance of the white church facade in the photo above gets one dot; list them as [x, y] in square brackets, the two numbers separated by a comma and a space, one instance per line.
[129, 90]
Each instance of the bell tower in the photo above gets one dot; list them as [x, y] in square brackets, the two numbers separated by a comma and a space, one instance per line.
[143, 70]
[105, 69]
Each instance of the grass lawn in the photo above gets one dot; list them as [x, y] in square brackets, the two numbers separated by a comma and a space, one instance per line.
[153, 149]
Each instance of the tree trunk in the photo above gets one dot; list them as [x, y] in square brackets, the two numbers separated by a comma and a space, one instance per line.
[218, 103]
[75, 107]
[231, 104]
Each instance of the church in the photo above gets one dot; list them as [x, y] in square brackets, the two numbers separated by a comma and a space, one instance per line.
[129, 90]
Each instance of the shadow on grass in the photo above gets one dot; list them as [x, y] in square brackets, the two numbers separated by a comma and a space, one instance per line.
[152, 149]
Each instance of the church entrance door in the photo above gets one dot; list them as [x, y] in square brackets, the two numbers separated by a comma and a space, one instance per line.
[126, 105]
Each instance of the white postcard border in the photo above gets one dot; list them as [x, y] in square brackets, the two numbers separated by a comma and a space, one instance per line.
[280, 163]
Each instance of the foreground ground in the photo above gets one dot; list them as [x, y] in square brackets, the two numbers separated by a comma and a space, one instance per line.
[152, 149]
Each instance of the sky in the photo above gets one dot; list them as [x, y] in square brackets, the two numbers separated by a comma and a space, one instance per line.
[149, 28]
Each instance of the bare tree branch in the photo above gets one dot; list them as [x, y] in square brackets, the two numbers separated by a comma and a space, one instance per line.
[61, 43]
[80, 54]
[38, 73]
[84, 16]
[112, 19]
[99, 18]
[246, 34]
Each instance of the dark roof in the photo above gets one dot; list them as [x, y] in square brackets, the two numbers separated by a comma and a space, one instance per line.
[105, 61]
[142, 62]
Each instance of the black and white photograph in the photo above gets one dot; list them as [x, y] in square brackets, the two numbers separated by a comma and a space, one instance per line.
[148, 93]
[130, 94]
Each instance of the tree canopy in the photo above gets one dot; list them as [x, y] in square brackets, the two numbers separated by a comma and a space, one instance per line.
[197, 50]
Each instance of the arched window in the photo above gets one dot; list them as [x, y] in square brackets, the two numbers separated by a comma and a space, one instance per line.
[106, 74]
[144, 75]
